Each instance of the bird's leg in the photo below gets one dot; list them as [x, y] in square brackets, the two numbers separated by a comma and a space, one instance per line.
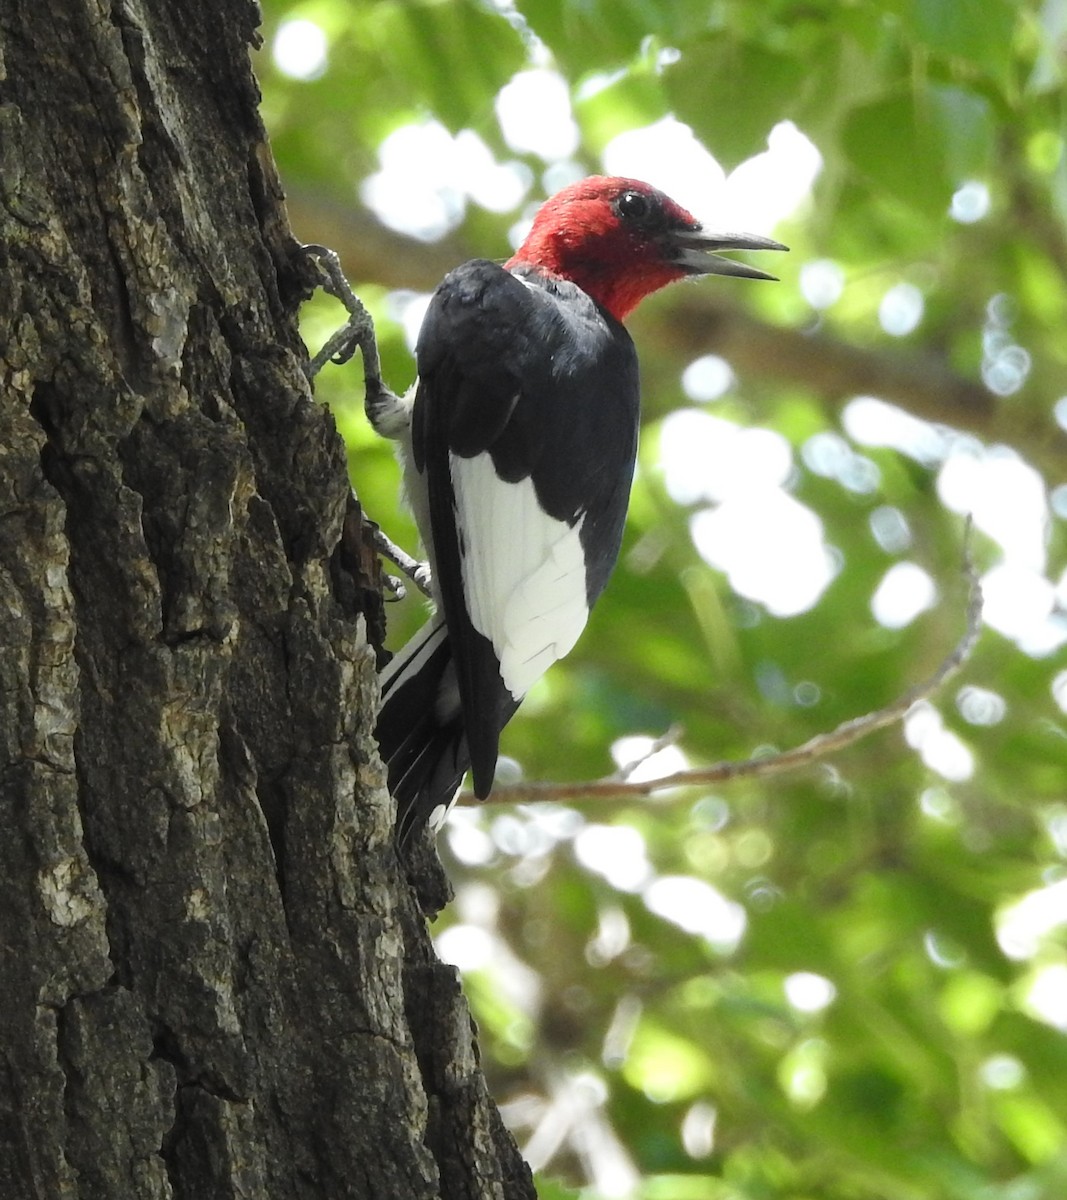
[386, 411]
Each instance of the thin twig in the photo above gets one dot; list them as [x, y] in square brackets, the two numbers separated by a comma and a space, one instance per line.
[670, 737]
[816, 748]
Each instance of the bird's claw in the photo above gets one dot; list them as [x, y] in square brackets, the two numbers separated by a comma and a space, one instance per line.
[422, 578]
[358, 330]
[394, 586]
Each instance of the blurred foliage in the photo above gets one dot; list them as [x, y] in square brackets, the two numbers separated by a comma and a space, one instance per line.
[651, 977]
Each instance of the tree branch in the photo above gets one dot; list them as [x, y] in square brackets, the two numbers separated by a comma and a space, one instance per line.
[699, 322]
[819, 747]
[923, 385]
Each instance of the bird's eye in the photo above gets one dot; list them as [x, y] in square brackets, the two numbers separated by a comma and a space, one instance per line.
[633, 206]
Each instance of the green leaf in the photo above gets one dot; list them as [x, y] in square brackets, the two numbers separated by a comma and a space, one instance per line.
[963, 124]
[969, 1001]
[665, 1065]
[978, 31]
[884, 143]
[552, 1189]
[733, 94]
[457, 55]
[632, 99]
[918, 149]
[1031, 1125]
[596, 35]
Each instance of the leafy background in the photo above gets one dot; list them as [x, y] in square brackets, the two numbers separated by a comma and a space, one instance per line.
[852, 982]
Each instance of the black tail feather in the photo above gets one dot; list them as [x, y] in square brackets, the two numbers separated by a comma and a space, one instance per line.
[420, 731]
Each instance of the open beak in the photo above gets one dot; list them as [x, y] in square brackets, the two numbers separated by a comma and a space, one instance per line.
[696, 252]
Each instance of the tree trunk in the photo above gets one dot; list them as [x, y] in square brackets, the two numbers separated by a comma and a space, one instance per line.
[215, 978]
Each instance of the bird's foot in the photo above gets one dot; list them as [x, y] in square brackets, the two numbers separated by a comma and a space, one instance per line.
[356, 333]
[388, 413]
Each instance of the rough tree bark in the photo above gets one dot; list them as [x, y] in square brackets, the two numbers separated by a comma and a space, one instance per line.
[215, 978]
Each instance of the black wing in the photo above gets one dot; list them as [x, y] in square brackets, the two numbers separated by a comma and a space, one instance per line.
[525, 427]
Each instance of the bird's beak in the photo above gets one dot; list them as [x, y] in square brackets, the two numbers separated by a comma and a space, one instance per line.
[696, 252]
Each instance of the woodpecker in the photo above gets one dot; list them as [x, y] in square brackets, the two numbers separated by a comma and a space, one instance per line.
[518, 442]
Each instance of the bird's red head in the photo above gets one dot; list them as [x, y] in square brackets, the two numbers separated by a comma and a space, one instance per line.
[620, 240]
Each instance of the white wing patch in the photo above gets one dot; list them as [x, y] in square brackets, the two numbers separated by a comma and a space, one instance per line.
[523, 572]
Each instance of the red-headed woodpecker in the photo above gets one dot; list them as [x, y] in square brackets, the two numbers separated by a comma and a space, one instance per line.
[518, 443]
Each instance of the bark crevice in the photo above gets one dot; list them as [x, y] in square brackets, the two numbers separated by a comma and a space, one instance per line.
[205, 935]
